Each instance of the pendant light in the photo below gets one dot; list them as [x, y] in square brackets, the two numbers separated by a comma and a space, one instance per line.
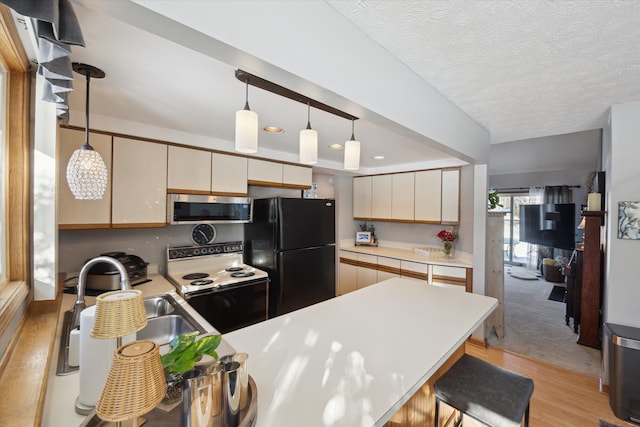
[308, 142]
[352, 152]
[86, 172]
[246, 128]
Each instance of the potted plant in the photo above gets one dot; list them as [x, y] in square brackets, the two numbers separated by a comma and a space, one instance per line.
[184, 352]
[493, 200]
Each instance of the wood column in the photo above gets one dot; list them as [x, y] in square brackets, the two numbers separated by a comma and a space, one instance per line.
[591, 289]
[494, 274]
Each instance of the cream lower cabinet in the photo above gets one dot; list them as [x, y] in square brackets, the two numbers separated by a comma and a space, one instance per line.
[228, 175]
[388, 268]
[415, 271]
[458, 278]
[367, 270]
[82, 214]
[139, 184]
[188, 170]
[348, 273]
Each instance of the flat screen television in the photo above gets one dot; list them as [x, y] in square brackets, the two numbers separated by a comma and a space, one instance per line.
[552, 225]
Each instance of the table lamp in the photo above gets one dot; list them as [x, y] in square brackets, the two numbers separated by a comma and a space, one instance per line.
[119, 313]
[135, 384]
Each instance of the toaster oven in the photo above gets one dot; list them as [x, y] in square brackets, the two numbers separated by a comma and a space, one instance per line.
[105, 277]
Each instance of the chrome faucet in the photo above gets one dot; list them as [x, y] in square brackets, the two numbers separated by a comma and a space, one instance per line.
[82, 278]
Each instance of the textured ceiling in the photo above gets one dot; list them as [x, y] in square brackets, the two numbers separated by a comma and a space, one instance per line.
[522, 69]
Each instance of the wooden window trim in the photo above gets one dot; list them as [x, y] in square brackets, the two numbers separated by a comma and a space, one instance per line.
[16, 291]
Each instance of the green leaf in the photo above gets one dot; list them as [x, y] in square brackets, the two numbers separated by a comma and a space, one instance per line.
[185, 351]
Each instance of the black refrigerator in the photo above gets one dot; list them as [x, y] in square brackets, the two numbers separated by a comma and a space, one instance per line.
[294, 241]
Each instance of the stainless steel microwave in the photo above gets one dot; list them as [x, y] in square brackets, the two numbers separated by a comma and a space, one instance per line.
[188, 208]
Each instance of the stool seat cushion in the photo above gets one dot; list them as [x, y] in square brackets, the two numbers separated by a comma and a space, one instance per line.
[494, 396]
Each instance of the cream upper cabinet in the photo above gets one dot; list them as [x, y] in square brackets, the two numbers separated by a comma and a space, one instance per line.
[428, 194]
[228, 174]
[262, 172]
[296, 176]
[189, 170]
[73, 213]
[402, 196]
[139, 183]
[450, 196]
[381, 189]
[362, 197]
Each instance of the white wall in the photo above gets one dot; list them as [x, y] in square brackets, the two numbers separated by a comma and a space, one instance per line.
[621, 154]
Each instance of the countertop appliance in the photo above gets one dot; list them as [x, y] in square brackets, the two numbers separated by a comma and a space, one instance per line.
[190, 208]
[217, 284]
[294, 241]
[105, 277]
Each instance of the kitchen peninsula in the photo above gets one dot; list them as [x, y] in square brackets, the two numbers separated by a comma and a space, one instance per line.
[357, 359]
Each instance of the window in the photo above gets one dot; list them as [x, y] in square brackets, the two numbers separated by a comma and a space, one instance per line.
[3, 176]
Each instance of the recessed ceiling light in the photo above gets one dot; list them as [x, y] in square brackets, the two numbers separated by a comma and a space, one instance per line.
[336, 146]
[273, 130]
[379, 157]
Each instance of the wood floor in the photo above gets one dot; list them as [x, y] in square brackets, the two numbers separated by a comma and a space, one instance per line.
[560, 397]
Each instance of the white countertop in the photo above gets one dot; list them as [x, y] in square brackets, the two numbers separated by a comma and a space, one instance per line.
[408, 255]
[356, 359]
[59, 405]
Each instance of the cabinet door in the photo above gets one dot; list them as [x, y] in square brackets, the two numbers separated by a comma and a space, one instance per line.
[348, 274]
[139, 184]
[189, 171]
[450, 196]
[296, 176]
[428, 195]
[262, 172]
[402, 196]
[362, 197]
[367, 270]
[228, 175]
[381, 189]
[73, 213]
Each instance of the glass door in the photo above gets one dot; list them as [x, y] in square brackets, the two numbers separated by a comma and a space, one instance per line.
[515, 251]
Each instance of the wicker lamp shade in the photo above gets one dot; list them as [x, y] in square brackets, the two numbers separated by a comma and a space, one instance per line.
[119, 313]
[136, 382]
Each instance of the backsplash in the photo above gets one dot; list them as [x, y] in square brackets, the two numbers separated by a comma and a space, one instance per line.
[76, 246]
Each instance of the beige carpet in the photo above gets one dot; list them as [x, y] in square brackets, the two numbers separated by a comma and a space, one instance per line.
[535, 327]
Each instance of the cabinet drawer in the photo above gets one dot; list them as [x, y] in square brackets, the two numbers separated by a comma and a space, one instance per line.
[368, 261]
[389, 265]
[414, 270]
[347, 257]
[445, 270]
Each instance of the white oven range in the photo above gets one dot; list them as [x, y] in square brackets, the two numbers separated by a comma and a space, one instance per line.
[217, 284]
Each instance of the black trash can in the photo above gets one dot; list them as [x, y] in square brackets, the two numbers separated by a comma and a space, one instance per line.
[623, 354]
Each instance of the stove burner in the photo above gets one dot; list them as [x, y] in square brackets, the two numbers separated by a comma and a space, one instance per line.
[243, 274]
[201, 282]
[195, 276]
[234, 269]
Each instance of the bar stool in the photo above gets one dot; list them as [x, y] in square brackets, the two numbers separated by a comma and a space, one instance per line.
[488, 393]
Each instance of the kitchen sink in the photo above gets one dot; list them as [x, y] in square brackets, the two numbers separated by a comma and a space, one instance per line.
[159, 306]
[166, 319]
[163, 329]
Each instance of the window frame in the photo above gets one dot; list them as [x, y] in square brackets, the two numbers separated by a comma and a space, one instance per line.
[15, 291]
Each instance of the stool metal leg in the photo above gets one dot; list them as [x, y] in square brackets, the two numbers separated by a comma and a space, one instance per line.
[437, 423]
[526, 415]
